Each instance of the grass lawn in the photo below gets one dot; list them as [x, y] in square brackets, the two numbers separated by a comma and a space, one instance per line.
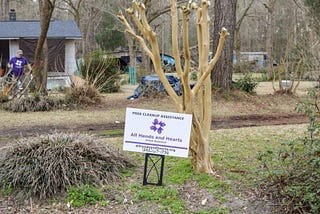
[235, 158]
[234, 154]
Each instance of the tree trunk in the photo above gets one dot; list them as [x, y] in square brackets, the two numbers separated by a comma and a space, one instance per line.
[269, 36]
[46, 8]
[132, 54]
[45, 67]
[4, 9]
[225, 16]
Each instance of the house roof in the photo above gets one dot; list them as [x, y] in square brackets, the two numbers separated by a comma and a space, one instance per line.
[31, 29]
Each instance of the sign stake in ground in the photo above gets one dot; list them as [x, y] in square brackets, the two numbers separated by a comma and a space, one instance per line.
[151, 169]
[156, 133]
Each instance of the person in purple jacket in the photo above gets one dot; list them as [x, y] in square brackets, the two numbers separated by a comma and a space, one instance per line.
[17, 65]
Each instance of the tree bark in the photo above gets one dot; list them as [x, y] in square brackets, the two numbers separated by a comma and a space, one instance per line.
[4, 8]
[269, 36]
[225, 16]
[46, 8]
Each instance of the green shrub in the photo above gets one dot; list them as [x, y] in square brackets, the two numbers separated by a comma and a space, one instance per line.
[85, 194]
[193, 76]
[292, 173]
[48, 164]
[247, 83]
[100, 70]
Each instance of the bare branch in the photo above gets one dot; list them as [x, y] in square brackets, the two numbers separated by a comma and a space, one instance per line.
[223, 36]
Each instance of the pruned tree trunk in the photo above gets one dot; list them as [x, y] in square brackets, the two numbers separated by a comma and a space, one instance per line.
[197, 100]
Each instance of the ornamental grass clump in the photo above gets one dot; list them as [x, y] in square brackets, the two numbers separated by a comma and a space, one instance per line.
[46, 165]
[83, 95]
[32, 103]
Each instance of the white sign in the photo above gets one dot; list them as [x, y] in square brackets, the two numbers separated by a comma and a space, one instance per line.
[157, 132]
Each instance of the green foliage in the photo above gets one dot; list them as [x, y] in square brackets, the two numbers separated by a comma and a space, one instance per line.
[85, 194]
[112, 133]
[247, 83]
[218, 210]
[111, 33]
[48, 164]
[293, 171]
[314, 11]
[193, 76]
[181, 171]
[101, 71]
[167, 196]
[7, 190]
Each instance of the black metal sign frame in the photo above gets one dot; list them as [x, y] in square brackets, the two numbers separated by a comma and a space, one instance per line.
[154, 161]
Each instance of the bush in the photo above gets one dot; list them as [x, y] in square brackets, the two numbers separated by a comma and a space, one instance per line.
[84, 95]
[292, 173]
[48, 164]
[32, 103]
[100, 70]
[77, 95]
[247, 83]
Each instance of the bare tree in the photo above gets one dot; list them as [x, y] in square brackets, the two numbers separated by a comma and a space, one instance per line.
[46, 8]
[237, 41]
[196, 100]
[270, 6]
[4, 8]
[72, 7]
[87, 15]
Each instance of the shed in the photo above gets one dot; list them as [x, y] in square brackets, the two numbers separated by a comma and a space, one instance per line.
[61, 36]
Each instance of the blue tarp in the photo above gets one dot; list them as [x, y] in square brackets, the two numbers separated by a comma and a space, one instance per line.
[152, 83]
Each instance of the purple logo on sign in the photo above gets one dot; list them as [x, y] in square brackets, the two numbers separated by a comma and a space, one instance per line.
[157, 126]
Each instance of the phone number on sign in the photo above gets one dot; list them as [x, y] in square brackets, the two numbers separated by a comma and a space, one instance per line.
[155, 149]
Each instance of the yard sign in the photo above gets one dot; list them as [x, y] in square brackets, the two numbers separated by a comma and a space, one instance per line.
[157, 132]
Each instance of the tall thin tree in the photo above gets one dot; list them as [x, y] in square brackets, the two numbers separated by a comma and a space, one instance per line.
[46, 8]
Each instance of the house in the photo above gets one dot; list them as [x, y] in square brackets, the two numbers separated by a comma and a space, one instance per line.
[259, 59]
[61, 37]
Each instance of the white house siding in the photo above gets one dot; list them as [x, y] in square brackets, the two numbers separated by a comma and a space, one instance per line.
[13, 47]
[70, 57]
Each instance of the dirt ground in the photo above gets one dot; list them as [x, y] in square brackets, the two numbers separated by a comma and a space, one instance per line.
[217, 123]
[195, 197]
